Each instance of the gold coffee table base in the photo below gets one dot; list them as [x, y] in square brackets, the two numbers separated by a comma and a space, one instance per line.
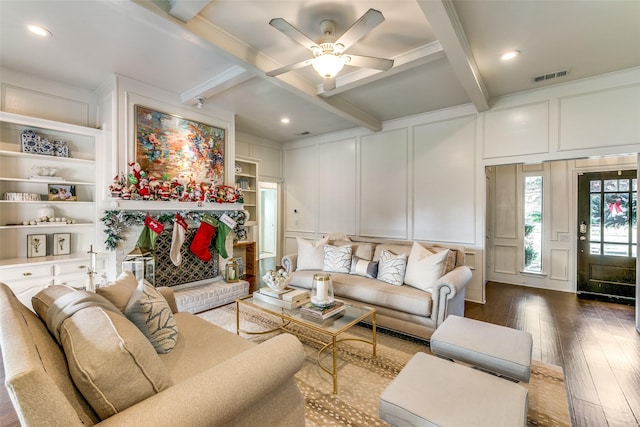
[334, 327]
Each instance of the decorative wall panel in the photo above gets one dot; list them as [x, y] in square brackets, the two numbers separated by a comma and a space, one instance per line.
[600, 119]
[559, 259]
[559, 197]
[337, 187]
[301, 189]
[517, 131]
[443, 173]
[383, 181]
[505, 202]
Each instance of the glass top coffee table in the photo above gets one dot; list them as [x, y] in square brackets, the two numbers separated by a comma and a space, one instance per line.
[332, 327]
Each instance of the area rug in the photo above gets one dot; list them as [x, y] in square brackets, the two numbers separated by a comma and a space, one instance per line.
[361, 378]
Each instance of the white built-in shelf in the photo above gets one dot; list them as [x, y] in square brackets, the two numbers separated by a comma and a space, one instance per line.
[48, 202]
[246, 175]
[47, 225]
[46, 181]
[16, 262]
[20, 154]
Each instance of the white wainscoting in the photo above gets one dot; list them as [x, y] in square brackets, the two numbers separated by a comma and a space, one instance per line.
[506, 259]
[301, 189]
[384, 178]
[443, 173]
[600, 119]
[517, 131]
[559, 259]
[337, 187]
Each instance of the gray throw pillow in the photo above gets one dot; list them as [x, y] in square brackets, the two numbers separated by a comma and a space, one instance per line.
[362, 267]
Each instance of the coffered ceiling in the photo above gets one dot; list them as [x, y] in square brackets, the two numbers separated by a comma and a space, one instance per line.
[446, 53]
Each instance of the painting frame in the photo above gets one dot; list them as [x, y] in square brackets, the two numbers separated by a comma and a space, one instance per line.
[36, 245]
[62, 193]
[168, 146]
[61, 243]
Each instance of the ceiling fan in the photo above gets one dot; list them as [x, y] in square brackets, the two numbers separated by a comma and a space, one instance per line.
[328, 54]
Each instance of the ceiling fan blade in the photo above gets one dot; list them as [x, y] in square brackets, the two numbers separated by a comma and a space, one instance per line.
[369, 62]
[290, 68]
[329, 84]
[292, 32]
[367, 22]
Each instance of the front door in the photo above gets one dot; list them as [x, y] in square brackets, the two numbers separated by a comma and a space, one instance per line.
[607, 235]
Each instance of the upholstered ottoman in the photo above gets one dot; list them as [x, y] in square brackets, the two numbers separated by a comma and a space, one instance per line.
[430, 391]
[498, 349]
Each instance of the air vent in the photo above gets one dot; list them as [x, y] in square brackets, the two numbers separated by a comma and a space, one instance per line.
[306, 132]
[550, 76]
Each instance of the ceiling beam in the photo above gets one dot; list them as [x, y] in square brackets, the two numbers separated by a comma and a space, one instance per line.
[411, 59]
[184, 10]
[231, 77]
[445, 24]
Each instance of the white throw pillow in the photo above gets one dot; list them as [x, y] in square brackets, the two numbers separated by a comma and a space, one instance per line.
[424, 267]
[311, 254]
[391, 268]
[337, 258]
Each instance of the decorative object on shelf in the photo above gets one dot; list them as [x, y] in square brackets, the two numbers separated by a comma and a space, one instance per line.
[33, 143]
[62, 193]
[243, 183]
[175, 146]
[238, 168]
[44, 171]
[114, 220]
[322, 290]
[61, 243]
[277, 281]
[36, 245]
[22, 197]
[232, 270]
[91, 271]
[141, 186]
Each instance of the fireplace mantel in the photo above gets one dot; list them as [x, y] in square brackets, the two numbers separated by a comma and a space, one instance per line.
[141, 205]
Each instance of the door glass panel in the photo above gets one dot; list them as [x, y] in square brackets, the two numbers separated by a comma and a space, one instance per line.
[634, 185]
[594, 248]
[634, 225]
[623, 185]
[595, 186]
[610, 185]
[616, 219]
[594, 226]
[615, 250]
[634, 249]
[533, 223]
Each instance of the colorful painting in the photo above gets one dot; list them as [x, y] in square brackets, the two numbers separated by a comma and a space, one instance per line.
[170, 147]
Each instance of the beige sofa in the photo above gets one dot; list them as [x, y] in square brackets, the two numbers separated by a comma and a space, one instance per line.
[404, 308]
[212, 377]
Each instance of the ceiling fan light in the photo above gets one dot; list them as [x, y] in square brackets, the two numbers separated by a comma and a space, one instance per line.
[327, 65]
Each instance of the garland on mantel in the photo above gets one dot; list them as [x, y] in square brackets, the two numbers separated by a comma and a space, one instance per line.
[116, 219]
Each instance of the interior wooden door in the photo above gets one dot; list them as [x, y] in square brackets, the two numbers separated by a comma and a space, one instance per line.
[607, 243]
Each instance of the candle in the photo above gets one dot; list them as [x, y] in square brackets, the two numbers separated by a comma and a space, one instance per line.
[322, 291]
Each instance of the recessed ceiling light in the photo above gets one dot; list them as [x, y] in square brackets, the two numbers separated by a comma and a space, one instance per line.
[41, 31]
[509, 55]
[285, 120]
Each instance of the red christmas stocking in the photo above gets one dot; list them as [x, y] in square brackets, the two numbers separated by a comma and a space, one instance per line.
[202, 239]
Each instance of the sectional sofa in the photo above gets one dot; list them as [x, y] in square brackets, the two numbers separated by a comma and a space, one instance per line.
[81, 361]
[414, 299]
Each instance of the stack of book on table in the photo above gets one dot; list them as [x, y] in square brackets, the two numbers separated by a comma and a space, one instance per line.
[288, 298]
[313, 311]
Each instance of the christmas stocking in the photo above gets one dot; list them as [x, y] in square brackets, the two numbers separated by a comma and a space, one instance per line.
[225, 225]
[150, 232]
[177, 240]
[202, 239]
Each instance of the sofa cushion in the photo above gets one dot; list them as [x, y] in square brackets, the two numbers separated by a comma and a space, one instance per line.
[360, 249]
[337, 258]
[120, 291]
[311, 254]
[45, 298]
[111, 362]
[424, 267]
[150, 312]
[395, 248]
[362, 267]
[391, 268]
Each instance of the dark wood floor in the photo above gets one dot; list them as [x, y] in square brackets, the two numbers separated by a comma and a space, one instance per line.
[595, 342]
